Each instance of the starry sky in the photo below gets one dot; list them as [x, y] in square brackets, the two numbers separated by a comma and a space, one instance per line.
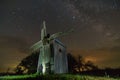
[96, 26]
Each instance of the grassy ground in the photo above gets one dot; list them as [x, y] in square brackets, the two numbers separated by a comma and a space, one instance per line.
[55, 77]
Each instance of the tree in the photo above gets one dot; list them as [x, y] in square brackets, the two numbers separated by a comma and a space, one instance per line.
[79, 64]
[28, 64]
[89, 65]
[85, 66]
[72, 63]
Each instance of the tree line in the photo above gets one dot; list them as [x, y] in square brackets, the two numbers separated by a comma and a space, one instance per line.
[29, 64]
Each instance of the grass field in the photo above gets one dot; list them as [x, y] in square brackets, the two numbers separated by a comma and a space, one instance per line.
[55, 77]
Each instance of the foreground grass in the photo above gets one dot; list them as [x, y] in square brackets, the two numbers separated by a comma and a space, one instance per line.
[55, 77]
[18, 77]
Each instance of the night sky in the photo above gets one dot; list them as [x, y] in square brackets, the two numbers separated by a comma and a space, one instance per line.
[96, 26]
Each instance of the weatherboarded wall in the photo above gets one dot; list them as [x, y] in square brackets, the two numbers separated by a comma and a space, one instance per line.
[60, 57]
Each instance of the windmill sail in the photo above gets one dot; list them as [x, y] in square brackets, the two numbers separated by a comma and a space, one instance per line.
[56, 35]
[36, 46]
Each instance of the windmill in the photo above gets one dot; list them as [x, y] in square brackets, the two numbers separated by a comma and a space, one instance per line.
[46, 58]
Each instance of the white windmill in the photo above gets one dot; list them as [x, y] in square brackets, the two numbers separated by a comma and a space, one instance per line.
[49, 58]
